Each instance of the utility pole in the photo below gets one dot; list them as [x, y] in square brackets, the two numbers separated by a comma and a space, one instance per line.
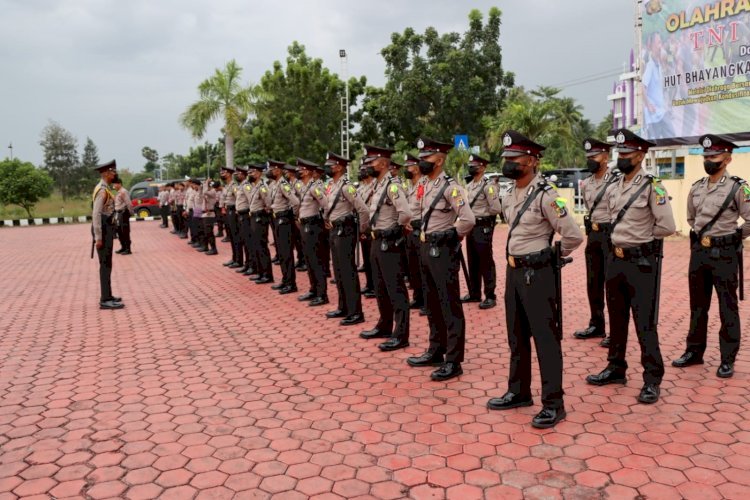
[10, 146]
[208, 162]
[345, 105]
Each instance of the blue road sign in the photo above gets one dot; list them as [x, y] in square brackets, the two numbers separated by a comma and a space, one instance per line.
[461, 142]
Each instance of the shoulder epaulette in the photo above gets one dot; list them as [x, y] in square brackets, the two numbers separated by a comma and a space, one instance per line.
[738, 180]
[546, 186]
[448, 178]
[652, 177]
[702, 179]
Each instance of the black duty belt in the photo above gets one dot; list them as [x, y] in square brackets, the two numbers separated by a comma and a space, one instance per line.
[635, 253]
[244, 211]
[387, 234]
[729, 240]
[416, 224]
[284, 213]
[310, 220]
[486, 221]
[437, 238]
[230, 208]
[347, 220]
[601, 227]
[535, 260]
[259, 213]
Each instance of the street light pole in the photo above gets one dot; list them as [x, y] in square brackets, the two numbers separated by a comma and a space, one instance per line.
[10, 146]
[208, 162]
[345, 105]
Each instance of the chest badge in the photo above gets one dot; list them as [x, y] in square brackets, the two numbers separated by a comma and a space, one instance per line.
[706, 242]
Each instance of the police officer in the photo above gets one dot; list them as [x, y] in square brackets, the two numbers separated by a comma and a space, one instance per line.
[243, 216]
[229, 210]
[365, 190]
[446, 220]
[389, 216]
[535, 213]
[179, 203]
[484, 201]
[597, 222]
[413, 243]
[259, 205]
[209, 197]
[312, 202]
[714, 205]
[103, 231]
[344, 229]
[641, 215]
[164, 205]
[122, 209]
[290, 172]
[285, 208]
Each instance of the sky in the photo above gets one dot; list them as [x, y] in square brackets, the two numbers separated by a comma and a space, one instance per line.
[122, 71]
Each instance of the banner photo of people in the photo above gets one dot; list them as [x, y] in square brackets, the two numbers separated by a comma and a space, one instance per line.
[695, 70]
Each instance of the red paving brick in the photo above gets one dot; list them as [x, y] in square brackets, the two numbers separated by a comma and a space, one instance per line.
[208, 386]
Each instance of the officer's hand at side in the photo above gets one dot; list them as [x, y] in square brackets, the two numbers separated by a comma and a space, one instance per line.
[408, 228]
[99, 244]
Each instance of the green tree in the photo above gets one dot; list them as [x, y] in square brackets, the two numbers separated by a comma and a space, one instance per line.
[604, 127]
[60, 156]
[23, 184]
[298, 112]
[438, 85]
[85, 177]
[221, 96]
[553, 121]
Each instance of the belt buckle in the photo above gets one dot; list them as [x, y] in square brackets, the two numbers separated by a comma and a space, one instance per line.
[422, 237]
[512, 261]
[706, 242]
[595, 226]
[372, 233]
[619, 252]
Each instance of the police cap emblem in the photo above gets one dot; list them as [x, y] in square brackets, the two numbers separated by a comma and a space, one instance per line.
[620, 138]
[707, 142]
[587, 146]
[507, 140]
[420, 144]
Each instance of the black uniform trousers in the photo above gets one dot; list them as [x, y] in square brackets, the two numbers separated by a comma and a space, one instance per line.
[297, 241]
[530, 309]
[180, 220]
[245, 244]
[284, 239]
[233, 233]
[164, 210]
[480, 260]
[123, 229]
[367, 262]
[343, 246]
[220, 220]
[413, 249]
[197, 229]
[175, 218]
[445, 312]
[209, 239]
[325, 252]
[390, 288]
[262, 256]
[312, 240]
[105, 257]
[597, 254]
[631, 285]
[714, 268]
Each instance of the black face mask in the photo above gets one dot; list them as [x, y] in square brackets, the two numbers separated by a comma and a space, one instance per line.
[426, 167]
[370, 172]
[468, 178]
[512, 170]
[712, 167]
[473, 170]
[408, 175]
[592, 166]
[270, 175]
[625, 165]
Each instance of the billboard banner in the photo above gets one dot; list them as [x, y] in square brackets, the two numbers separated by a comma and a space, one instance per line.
[695, 70]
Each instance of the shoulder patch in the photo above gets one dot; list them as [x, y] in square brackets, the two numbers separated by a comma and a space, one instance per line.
[559, 206]
[247, 187]
[351, 189]
[658, 187]
[263, 190]
[454, 193]
[286, 187]
[317, 191]
[394, 188]
[746, 191]
[491, 190]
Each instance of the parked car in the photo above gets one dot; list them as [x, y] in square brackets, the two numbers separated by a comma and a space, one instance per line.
[567, 177]
[144, 197]
[502, 182]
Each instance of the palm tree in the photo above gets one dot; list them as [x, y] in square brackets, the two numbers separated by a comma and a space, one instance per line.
[221, 95]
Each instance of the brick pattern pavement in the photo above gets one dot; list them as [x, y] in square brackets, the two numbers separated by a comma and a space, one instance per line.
[208, 386]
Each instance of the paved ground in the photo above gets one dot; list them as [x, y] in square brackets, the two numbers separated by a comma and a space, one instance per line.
[209, 386]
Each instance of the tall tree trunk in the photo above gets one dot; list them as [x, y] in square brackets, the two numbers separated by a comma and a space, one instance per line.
[229, 147]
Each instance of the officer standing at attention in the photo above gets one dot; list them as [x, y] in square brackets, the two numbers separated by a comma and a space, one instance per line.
[122, 208]
[413, 242]
[179, 203]
[535, 213]
[484, 201]
[714, 205]
[293, 177]
[366, 183]
[208, 218]
[344, 229]
[595, 192]
[103, 229]
[641, 215]
[259, 205]
[312, 202]
[229, 210]
[446, 220]
[389, 216]
[285, 207]
[243, 217]
[164, 205]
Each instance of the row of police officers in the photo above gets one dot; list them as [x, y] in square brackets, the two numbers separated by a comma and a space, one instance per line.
[416, 229]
